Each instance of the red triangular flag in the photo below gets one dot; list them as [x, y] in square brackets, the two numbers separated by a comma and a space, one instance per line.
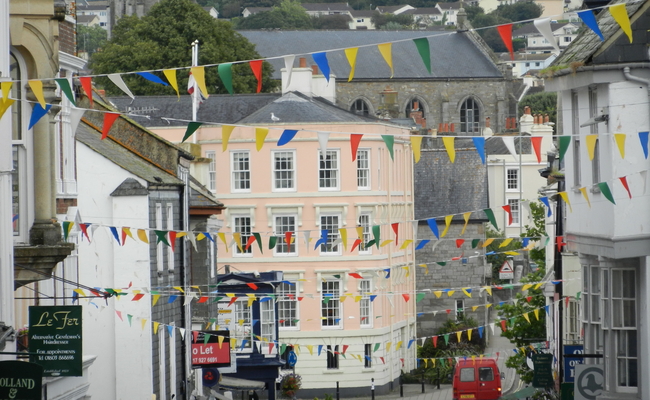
[395, 226]
[505, 31]
[195, 336]
[271, 347]
[559, 241]
[137, 297]
[355, 275]
[203, 299]
[566, 302]
[172, 239]
[537, 145]
[355, 138]
[123, 236]
[256, 66]
[406, 297]
[529, 298]
[503, 325]
[448, 311]
[382, 360]
[109, 118]
[252, 286]
[87, 84]
[435, 341]
[251, 240]
[232, 300]
[355, 244]
[345, 347]
[507, 209]
[84, 230]
[119, 314]
[287, 237]
[624, 182]
[459, 242]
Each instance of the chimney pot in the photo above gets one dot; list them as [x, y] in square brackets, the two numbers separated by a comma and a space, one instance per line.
[451, 126]
[527, 110]
[487, 122]
[546, 119]
[314, 69]
[303, 62]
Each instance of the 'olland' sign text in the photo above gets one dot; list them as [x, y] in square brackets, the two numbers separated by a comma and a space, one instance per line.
[55, 339]
[20, 380]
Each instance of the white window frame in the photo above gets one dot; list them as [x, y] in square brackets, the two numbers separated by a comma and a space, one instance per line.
[363, 156]
[335, 170]
[332, 235]
[459, 311]
[291, 171]
[267, 324]
[170, 227]
[230, 319]
[333, 304]
[367, 233]
[235, 228]
[515, 211]
[366, 317]
[575, 124]
[212, 170]
[593, 129]
[281, 237]
[160, 261]
[234, 173]
[509, 180]
[283, 290]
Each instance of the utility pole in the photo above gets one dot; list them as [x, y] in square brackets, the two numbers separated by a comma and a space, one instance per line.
[195, 93]
[6, 168]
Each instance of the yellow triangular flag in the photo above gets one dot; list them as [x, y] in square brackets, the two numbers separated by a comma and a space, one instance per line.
[37, 88]
[583, 190]
[426, 362]
[505, 242]
[488, 289]
[351, 55]
[386, 51]
[469, 336]
[357, 298]
[433, 362]
[405, 244]
[80, 292]
[359, 232]
[458, 335]
[487, 242]
[310, 347]
[450, 293]
[237, 237]
[536, 311]
[619, 12]
[474, 308]
[591, 141]
[142, 235]
[448, 219]
[488, 305]
[527, 286]
[155, 327]
[565, 197]
[388, 346]
[143, 323]
[5, 104]
[408, 270]
[222, 236]
[260, 135]
[416, 143]
[6, 89]
[199, 76]
[620, 139]
[170, 74]
[226, 130]
[344, 237]
[438, 293]
[466, 218]
[526, 316]
[251, 300]
[386, 242]
[449, 146]
[398, 345]
[233, 343]
[155, 299]
[468, 294]
[201, 236]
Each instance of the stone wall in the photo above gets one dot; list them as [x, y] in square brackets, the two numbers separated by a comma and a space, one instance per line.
[440, 99]
[454, 275]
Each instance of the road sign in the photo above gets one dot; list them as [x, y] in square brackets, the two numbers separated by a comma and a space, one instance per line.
[211, 377]
[570, 362]
[292, 358]
[506, 271]
[589, 382]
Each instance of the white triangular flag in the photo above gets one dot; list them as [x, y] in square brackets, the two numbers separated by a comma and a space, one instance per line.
[75, 118]
[117, 80]
[192, 238]
[543, 25]
[323, 137]
[509, 141]
[288, 65]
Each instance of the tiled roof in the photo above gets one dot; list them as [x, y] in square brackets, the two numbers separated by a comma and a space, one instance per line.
[450, 6]
[423, 11]
[529, 28]
[326, 7]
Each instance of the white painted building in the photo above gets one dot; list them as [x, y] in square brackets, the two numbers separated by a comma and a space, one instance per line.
[604, 102]
[100, 9]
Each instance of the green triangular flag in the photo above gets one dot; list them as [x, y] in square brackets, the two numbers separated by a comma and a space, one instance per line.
[419, 297]
[162, 237]
[441, 263]
[326, 300]
[475, 243]
[564, 142]
[442, 363]
[283, 348]
[446, 336]
[337, 276]
[66, 229]
[578, 295]
[259, 241]
[604, 188]
[65, 88]
[191, 128]
[216, 299]
[389, 140]
[225, 73]
[490, 215]
[295, 321]
[130, 318]
[376, 232]
[369, 244]
[377, 346]
[206, 338]
[423, 48]
[273, 240]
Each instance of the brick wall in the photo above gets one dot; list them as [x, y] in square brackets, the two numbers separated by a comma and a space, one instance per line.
[63, 204]
[67, 38]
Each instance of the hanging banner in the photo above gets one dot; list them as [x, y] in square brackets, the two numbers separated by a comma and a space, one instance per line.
[20, 380]
[55, 338]
[211, 349]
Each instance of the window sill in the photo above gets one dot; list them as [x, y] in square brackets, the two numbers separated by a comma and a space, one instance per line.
[366, 370]
[332, 371]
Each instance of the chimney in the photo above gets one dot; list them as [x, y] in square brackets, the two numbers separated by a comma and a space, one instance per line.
[314, 70]
[302, 62]
[487, 131]
[526, 121]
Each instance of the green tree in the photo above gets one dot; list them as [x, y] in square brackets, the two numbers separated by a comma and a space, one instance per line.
[519, 11]
[91, 39]
[288, 15]
[162, 39]
[392, 22]
[540, 103]
[330, 22]
[520, 331]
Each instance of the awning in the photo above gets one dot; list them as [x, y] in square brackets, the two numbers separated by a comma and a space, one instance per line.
[521, 394]
[228, 382]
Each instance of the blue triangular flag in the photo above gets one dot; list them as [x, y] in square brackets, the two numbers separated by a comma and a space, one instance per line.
[115, 235]
[322, 240]
[546, 203]
[151, 77]
[480, 332]
[320, 348]
[243, 344]
[643, 137]
[172, 298]
[422, 244]
[410, 343]
[373, 297]
[37, 113]
[479, 142]
[434, 227]
[287, 136]
[170, 330]
[524, 242]
[208, 236]
[387, 270]
[587, 16]
[321, 61]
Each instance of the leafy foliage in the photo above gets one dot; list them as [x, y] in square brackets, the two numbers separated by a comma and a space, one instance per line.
[91, 39]
[519, 11]
[290, 384]
[392, 22]
[162, 39]
[330, 22]
[289, 14]
[504, 14]
[540, 103]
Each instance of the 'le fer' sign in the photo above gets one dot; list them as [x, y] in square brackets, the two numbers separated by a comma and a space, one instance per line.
[55, 338]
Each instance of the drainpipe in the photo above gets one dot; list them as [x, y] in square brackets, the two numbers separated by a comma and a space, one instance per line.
[630, 77]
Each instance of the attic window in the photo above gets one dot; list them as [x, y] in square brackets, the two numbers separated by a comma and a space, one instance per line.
[360, 107]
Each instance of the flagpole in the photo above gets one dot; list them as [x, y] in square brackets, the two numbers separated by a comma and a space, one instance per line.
[195, 92]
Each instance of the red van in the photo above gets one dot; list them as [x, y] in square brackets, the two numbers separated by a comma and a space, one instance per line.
[477, 379]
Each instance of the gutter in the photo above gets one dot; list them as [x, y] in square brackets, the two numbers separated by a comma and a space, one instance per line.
[643, 81]
[605, 67]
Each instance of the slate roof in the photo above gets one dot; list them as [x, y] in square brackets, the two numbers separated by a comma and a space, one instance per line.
[123, 157]
[443, 188]
[450, 6]
[255, 10]
[201, 197]
[390, 9]
[295, 107]
[423, 11]
[494, 145]
[453, 54]
[583, 48]
[528, 29]
[225, 109]
[363, 13]
[326, 7]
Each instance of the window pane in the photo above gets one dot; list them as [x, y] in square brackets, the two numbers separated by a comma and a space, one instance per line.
[330, 310]
[241, 171]
[283, 167]
[331, 223]
[328, 172]
[365, 304]
[283, 224]
[485, 374]
[364, 222]
[363, 169]
[467, 374]
[287, 305]
[243, 226]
